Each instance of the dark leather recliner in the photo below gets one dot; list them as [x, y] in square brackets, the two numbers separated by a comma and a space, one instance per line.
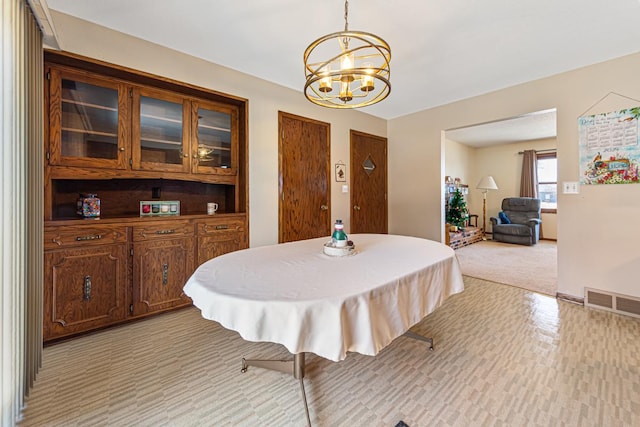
[524, 215]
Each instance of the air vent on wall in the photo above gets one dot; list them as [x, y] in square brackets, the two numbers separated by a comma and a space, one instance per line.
[610, 301]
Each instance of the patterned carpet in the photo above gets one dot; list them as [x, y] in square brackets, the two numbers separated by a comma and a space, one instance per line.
[530, 267]
[503, 357]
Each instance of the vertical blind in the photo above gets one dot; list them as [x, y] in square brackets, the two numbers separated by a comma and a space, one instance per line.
[21, 197]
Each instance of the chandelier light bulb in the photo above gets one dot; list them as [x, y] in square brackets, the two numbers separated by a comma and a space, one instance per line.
[367, 84]
[325, 81]
[346, 66]
[345, 92]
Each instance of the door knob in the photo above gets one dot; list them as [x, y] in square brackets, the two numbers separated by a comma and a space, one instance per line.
[324, 207]
[356, 207]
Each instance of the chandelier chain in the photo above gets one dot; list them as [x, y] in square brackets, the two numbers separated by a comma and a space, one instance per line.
[346, 15]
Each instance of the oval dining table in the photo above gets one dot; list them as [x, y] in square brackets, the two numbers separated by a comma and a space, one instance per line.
[295, 295]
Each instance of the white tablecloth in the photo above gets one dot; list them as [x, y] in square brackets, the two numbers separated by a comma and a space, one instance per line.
[295, 295]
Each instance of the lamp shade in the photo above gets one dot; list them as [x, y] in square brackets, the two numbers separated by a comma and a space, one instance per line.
[487, 183]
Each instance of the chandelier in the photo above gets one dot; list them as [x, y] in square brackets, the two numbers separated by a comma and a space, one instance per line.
[347, 69]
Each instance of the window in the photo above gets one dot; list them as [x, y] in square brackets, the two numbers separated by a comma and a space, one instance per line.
[548, 181]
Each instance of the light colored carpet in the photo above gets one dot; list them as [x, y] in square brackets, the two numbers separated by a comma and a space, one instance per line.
[530, 267]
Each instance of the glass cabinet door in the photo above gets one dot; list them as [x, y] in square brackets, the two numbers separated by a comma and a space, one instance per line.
[159, 134]
[214, 149]
[88, 121]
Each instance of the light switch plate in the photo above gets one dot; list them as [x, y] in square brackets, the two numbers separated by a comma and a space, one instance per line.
[345, 188]
[570, 187]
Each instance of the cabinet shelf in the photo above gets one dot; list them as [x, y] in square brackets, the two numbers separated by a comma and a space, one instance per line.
[87, 104]
[161, 141]
[160, 118]
[214, 128]
[89, 132]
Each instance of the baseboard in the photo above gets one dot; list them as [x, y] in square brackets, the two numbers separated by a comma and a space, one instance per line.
[570, 298]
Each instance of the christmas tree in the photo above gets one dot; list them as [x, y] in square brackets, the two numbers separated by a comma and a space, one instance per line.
[457, 213]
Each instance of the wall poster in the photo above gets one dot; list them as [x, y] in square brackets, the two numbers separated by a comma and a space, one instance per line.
[609, 147]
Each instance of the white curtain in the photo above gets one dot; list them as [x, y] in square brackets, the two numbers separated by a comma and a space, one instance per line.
[21, 197]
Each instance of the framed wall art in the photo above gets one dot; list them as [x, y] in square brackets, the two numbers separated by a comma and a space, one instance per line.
[341, 172]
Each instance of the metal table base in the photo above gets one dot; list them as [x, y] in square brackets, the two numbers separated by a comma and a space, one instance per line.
[296, 367]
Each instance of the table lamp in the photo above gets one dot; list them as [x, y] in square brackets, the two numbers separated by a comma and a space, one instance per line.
[486, 183]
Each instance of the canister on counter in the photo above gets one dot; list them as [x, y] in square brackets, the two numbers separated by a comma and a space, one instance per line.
[88, 206]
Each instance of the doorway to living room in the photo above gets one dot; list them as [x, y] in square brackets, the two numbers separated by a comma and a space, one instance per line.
[494, 150]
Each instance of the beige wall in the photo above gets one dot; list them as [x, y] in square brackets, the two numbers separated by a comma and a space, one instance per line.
[594, 249]
[459, 161]
[265, 100]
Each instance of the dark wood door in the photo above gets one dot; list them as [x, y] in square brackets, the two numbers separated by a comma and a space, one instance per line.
[368, 183]
[160, 270]
[304, 171]
[85, 288]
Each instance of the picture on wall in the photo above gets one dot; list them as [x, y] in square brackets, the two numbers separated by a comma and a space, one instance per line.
[341, 172]
[609, 147]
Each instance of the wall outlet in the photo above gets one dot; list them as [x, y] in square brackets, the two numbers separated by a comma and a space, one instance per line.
[570, 187]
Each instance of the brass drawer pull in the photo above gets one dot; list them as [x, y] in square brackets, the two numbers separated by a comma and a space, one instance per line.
[165, 274]
[222, 227]
[166, 231]
[87, 288]
[91, 237]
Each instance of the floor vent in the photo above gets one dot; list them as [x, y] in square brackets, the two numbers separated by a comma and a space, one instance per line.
[611, 301]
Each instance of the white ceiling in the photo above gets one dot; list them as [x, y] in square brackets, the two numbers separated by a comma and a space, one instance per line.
[528, 127]
[442, 51]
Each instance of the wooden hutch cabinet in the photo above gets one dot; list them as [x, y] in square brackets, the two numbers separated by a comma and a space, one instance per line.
[127, 137]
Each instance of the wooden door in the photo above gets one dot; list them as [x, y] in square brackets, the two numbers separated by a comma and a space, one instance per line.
[304, 171]
[214, 138]
[368, 183]
[160, 269]
[160, 131]
[85, 288]
[88, 121]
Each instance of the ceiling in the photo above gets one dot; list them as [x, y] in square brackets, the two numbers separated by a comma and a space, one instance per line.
[442, 51]
[528, 127]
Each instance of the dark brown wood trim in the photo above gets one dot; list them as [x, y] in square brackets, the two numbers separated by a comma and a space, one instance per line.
[139, 77]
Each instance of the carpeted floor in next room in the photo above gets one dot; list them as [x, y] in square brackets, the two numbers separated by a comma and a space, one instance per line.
[529, 267]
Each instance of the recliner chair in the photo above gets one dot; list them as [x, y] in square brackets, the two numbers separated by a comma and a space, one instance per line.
[521, 224]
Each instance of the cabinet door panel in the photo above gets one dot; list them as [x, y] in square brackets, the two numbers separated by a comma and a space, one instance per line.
[160, 131]
[215, 138]
[85, 289]
[161, 269]
[88, 121]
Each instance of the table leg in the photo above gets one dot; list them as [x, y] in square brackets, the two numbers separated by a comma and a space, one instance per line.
[293, 366]
[411, 334]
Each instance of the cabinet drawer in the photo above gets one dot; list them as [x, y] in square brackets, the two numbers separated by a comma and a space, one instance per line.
[213, 227]
[162, 230]
[64, 237]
